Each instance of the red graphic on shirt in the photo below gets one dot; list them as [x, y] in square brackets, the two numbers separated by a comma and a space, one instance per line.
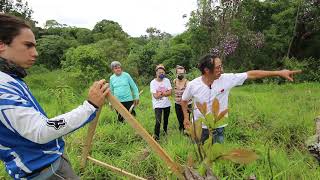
[161, 89]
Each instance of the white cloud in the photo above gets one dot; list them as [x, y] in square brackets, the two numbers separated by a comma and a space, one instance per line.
[135, 16]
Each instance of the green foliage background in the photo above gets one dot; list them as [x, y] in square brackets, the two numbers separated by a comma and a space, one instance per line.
[266, 118]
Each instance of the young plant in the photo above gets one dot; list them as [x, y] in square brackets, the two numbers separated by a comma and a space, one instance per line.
[209, 152]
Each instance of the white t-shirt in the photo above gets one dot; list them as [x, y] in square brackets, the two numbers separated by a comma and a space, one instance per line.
[220, 88]
[156, 86]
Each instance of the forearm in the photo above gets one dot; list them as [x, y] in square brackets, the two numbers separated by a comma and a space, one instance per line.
[135, 90]
[156, 95]
[184, 106]
[34, 126]
[167, 93]
[259, 74]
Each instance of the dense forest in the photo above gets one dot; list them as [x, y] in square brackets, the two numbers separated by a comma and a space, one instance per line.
[246, 34]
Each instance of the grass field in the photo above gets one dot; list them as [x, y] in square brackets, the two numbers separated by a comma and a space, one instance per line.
[269, 119]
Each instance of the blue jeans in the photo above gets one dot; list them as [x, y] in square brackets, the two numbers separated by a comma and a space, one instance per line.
[217, 135]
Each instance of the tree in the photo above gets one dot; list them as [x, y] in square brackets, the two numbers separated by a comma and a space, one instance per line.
[113, 50]
[173, 54]
[53, 24]
[87, 62]
[84, 36]
[17, 8]
[154, 33]
[107, 29]
[51, 49]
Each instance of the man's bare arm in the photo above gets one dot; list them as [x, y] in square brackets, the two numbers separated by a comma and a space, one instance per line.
[259, 74]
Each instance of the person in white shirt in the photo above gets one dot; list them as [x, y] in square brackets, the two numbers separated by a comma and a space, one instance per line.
[213, 83]
[160, 88]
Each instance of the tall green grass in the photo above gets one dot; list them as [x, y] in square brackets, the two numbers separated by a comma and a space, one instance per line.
[274, 120]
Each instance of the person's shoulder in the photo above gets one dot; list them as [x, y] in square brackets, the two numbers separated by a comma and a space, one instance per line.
[167, 80]
[126, 74]
[226, 74]
[195, 81]
[153, 81]
[5, 78]
[231, 75]
[9, 82]
[112, 76]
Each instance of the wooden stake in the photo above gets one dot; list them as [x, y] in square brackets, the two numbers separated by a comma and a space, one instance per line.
[176, 168]
[115, 169]
[132, 106]
[318, 128]
[88, 144]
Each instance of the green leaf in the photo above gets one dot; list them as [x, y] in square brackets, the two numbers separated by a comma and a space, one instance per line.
[202, 169]
[219, 123]
[215, 151]
[207, 144]
[209, 117]
[209, 121]
[204, 121]
[242, 156]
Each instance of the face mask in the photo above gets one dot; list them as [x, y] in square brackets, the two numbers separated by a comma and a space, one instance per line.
[180, 76]
[161, 76]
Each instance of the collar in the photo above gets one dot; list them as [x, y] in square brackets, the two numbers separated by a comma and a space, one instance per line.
[12, 69]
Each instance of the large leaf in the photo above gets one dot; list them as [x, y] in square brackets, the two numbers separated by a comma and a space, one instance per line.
[202, 107]
[220, 123]
[222, 114]
[215, 151]
[242, 156]
[209, 121]
[198, 130]
[209, 117]
[207, 144]
[215, 107]
[212, 124]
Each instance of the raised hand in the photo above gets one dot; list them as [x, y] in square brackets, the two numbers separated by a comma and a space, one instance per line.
[98, 92]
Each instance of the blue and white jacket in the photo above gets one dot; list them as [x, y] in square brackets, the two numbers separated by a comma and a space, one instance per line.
[29, 140]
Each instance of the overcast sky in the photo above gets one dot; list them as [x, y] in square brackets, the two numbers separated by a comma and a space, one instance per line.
[135, 16]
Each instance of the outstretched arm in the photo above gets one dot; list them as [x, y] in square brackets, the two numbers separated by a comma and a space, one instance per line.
[259, 74]
[19, 115]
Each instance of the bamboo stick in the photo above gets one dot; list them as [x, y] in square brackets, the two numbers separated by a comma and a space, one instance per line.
[88, 144]
[115, 169]
[176, 168]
